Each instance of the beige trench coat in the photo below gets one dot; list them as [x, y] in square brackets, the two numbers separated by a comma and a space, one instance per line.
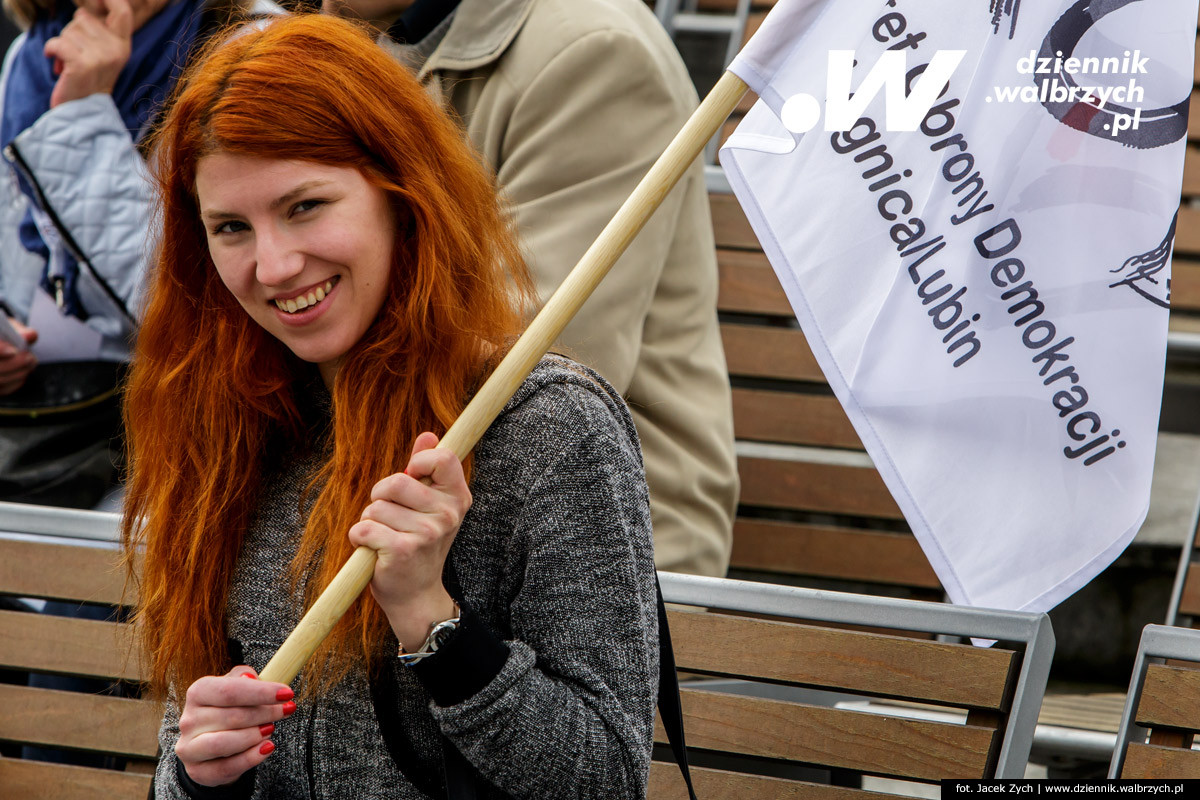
[571, 101]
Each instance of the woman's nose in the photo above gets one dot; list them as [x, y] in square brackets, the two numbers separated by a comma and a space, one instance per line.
[277, 260]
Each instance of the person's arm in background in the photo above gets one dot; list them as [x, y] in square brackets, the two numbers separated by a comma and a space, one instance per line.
[91, 179]
[15, 365]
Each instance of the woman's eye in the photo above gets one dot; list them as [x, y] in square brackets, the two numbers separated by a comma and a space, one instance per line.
[306, 205]
[232, 226]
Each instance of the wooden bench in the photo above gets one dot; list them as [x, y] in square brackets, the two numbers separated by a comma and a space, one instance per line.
[774, 709]
[1162, 710]
[995, 691]
[82, 571]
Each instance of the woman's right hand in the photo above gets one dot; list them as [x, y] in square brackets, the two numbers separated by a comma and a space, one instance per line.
[226, 725]
[15, 365]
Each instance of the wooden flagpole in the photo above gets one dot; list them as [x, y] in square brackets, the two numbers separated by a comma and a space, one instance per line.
[546, 327]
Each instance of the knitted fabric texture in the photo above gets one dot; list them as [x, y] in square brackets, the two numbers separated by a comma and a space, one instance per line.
[555, 557]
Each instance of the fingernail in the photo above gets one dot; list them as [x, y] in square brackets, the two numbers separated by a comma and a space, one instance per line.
[249, 675]
[289, 708]
[284, 694]
[267, 730]
[266, 748]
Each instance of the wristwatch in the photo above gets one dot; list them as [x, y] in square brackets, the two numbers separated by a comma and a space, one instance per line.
[438, 634]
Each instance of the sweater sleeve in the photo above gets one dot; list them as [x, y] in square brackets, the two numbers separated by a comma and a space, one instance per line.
[570, 712]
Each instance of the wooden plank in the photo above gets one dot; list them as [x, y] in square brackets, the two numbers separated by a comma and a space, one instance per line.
[1170, 698]
[851, 661]
[730, 225]
[1189, 600]
[748, 285]
[829, 552]
[1193, 131]
[79, 721]
[808, 486]
[830, 737]
[666, 783]
[1093, 711]
[1187, 232]
[806, 419]
[1152, 761]
[1185, 285]
[758, 351]
[1191, 169]
[35, 780]
[45, 643]
[61, 571]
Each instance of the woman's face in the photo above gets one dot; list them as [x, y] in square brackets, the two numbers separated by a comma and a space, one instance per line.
[306, 248]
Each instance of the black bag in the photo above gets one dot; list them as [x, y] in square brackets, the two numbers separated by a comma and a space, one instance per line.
[61, 434]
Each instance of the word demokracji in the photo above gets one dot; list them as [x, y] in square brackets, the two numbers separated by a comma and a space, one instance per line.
[1037, 334]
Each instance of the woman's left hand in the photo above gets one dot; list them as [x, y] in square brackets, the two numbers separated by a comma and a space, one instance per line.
[411, 524]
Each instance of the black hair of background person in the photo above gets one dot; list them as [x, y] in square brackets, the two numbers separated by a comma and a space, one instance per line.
[8, 32]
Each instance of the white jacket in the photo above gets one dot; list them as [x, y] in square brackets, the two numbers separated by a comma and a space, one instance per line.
[96, 192]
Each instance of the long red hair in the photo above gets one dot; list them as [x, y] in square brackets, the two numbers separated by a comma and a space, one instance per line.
[209, 390]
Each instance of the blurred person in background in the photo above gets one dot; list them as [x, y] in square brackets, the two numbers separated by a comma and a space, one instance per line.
[80, 88]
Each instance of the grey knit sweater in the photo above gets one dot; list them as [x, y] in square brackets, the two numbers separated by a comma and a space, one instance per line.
[548, 688]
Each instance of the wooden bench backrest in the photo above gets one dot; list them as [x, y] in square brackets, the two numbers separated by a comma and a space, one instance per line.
[1163, 699]
[821, 512]
[111, 725]
[748, 732]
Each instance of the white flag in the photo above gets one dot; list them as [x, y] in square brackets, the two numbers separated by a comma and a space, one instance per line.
[981, 266]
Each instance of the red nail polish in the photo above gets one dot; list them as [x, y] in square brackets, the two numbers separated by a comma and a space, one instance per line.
[266, 748]
[289, 708]
[284, 694]
[249, 675]
[267, 730]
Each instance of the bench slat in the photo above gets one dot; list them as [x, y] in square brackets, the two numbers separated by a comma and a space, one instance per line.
[666, 783]
[1191, 164]
[730, 226]
[1193, 130]
[1185, 285]
[1189, 601]
[78, 721]
[35, 780]
[748, 285]
[876, 744]
[852, 661]
[1153, 761]
[829, 552]
[758, 351]
[809, 486]
[1187, 232]
[44, 643]
[805, 419]
[1170, 697]
[61, 571]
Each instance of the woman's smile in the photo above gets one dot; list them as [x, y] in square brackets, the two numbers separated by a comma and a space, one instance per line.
[306, 305]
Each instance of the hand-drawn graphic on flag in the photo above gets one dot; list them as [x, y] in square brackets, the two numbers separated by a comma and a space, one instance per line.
[986, 294]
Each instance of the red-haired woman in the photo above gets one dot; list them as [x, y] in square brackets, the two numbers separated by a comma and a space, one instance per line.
[335, 277]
